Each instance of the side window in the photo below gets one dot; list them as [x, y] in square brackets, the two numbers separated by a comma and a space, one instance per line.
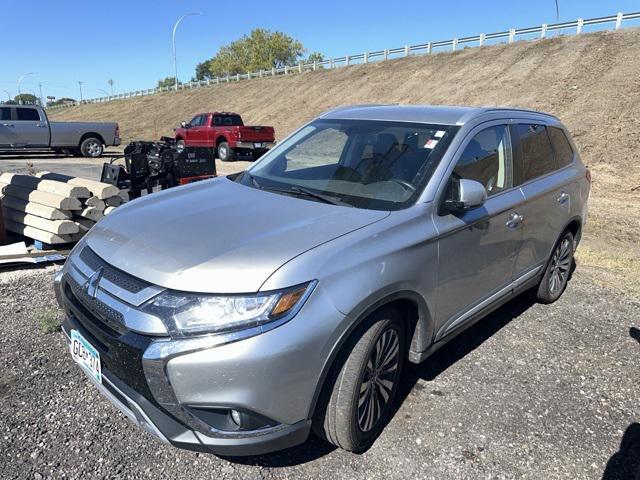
[217, 120]
[28, 114]
[196, 121]
[561, 146]
[5, 113]
[535, 151]
[487, 159]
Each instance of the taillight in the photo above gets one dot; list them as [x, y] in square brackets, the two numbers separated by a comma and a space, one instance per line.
[587, 175]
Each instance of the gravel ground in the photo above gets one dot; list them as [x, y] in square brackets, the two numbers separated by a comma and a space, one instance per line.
[532, 391]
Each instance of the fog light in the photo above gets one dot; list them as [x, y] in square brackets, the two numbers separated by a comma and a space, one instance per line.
[235, 416]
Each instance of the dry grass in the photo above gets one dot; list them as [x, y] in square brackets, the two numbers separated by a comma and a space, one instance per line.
[592, 82]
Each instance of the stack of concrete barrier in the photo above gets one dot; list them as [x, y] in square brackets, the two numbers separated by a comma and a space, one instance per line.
[55, 209]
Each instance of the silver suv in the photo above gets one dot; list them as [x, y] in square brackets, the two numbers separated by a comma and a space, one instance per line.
[235, 315]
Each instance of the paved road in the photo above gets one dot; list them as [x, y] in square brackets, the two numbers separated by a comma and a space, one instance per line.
[532, 391]
[78, 166]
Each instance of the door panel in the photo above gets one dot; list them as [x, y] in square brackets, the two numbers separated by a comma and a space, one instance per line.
[477, 249]
[30, 129]
[477, 252]
[8, 134]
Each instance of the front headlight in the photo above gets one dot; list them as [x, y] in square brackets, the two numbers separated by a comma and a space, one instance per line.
[187, 314]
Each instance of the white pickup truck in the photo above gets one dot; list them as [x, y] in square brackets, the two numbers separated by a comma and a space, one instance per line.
[26, 127]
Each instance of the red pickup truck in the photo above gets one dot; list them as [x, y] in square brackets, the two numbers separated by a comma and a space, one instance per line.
[225, 132]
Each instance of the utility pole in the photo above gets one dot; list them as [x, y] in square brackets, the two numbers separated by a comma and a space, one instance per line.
[40, 87]
[110, 82]
[173, 41]
[80, 84]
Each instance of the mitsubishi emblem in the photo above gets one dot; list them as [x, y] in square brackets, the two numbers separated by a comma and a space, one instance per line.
[91, 287]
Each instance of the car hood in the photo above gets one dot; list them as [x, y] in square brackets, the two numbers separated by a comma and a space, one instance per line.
[218, 236]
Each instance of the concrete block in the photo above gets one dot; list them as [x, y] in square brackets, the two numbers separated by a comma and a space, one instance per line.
[108, 210]
[49, 186]
[36, 209]
[95, 202]
[113, 201]
[99, 189]
[37, 234]
[43, 198]
[124, 195]
[59, 227]
[84, 224]
[92, 213]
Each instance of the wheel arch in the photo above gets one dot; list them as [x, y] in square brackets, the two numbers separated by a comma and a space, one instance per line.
[91, 135]
[221, 139]
[575, 227]
[420, 329]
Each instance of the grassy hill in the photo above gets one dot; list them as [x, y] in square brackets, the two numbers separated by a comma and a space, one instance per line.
[591, 81]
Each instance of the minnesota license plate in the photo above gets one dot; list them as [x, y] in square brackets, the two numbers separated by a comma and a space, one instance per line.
[85, 355]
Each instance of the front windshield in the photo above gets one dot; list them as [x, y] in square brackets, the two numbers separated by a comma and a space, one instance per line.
[376, 165]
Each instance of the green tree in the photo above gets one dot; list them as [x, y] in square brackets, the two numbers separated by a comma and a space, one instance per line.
[26, 99]
[168, 82]
[260, 50]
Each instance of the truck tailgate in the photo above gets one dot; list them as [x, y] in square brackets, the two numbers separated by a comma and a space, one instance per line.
[256, 134]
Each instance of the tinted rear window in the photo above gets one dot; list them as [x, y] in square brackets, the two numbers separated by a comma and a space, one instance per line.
[561, 146]
[536, 155]
[28, 114]
[228, 120]
[5, 113]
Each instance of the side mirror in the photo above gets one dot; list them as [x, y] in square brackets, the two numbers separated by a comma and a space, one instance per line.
[184, 124]
[465, 194]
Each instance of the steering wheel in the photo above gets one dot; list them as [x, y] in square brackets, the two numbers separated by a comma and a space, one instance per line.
[403, 183]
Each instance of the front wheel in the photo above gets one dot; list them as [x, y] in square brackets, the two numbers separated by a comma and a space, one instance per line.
[91, 147]
[225, 153]
[180, 146]
[361, 395]
[555, 278]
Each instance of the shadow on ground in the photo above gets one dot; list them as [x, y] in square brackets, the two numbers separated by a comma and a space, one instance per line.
[625, 463]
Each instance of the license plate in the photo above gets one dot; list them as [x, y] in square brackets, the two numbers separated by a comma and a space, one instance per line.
[257, 145]
[85, 355]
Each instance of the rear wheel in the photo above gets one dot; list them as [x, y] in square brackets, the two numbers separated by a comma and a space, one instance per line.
[180, 146]
[359, 399]
[555, 278]
[225, 153]
[91, 147]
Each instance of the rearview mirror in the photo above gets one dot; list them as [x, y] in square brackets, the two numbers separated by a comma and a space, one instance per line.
[465, 194]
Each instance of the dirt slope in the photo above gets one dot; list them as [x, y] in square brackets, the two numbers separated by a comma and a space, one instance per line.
[592, 82]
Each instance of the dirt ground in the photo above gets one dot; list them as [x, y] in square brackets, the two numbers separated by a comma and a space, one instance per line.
[591, 81]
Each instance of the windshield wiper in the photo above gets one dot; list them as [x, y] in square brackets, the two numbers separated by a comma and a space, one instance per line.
[308, 193]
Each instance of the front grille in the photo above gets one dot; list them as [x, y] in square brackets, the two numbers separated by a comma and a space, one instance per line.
[101, 312]
[115, 276]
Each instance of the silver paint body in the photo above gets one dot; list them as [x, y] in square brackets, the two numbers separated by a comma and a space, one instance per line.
[218, 236]
[15, 134]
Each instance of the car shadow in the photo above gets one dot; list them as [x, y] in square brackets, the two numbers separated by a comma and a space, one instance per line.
[437, 363]
[47, 155]
[625, 463]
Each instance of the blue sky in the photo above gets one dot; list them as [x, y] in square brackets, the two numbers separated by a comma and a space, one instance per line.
[130, 41]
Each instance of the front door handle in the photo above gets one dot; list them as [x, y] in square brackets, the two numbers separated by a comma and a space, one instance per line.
[563, 198]
[515, 219]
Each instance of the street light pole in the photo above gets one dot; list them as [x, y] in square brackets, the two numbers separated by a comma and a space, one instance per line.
[19, 82]
[80, 85]
[173, 41]
[40, 86]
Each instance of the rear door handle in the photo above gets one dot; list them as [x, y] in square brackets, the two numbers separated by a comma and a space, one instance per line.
[563, 198]
[515, 219]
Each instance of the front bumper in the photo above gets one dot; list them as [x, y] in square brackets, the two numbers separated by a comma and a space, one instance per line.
[159, 382]
[155, 420]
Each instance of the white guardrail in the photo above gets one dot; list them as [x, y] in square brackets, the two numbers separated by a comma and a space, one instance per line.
[511, 35]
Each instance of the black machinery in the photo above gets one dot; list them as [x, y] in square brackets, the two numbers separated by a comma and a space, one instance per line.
[162, 164]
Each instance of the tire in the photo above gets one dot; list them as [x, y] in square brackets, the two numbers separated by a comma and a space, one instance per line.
[180, 145]
[558, 270]
[91, 147]
[341, 420]
[225, 153]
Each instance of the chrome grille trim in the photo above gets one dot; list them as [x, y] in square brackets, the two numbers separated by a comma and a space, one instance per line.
[88, 264]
